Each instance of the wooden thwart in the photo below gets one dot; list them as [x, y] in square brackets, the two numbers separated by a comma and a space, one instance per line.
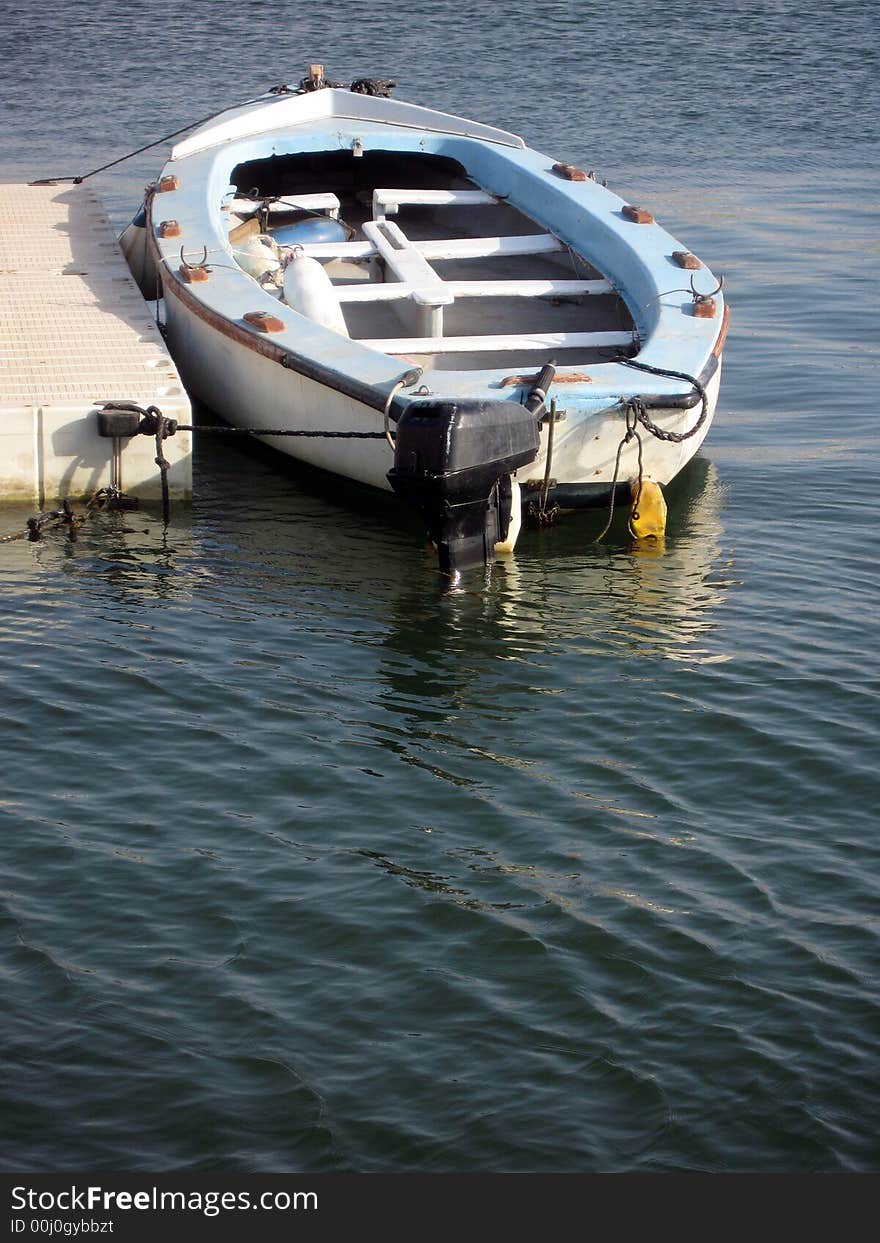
[388, 202]
[518, 341]
[390, 290]
[411, 268]
[325, 203]
[447, 248]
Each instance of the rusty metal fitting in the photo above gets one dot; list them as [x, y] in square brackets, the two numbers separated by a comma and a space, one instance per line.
[705, 308]
[569, 172]
[193, 274]
[263, 321]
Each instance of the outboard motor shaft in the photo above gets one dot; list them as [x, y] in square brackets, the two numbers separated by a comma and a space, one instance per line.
[452, 462]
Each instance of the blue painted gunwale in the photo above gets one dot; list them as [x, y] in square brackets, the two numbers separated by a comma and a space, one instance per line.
[635, 258]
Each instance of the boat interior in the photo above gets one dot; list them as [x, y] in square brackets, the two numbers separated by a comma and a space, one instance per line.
[427, 266]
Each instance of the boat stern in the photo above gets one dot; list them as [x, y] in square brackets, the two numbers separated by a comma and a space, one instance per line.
[453, 462]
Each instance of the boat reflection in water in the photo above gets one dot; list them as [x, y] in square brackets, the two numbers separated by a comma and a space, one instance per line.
[653, 598]
[277, 547]
[562, 593]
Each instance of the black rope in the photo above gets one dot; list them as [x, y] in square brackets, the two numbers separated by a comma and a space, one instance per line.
[361, 86]
[317, 84]
[161, 460]
[633, 515]
[635, 412]
[152, 422]
[539, 514]
[631, 417]
[551, 427]
[48, 181]
[381, 87]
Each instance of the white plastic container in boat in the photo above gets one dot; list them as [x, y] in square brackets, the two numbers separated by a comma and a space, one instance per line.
[309, 290]
[257, 256]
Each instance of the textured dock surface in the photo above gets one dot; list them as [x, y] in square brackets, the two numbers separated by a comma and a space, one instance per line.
[75, 332]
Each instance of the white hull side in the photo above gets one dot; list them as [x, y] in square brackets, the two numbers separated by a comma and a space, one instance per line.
[249, 390]
[584, 452]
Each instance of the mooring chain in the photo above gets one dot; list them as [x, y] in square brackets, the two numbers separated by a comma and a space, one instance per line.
[150, 415]
[53, 518]
[150, 421]
[641, 410]
[635, 412]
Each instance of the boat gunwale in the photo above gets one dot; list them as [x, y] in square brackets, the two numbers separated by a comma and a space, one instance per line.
[371, 395]
[312, 368]
[595, 394]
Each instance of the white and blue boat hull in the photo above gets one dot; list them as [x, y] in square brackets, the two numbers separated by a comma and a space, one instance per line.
[605, 302]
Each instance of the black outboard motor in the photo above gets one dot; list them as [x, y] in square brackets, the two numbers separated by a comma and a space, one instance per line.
[452, 462]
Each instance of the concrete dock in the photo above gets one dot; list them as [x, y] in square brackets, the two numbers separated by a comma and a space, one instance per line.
[76, 332]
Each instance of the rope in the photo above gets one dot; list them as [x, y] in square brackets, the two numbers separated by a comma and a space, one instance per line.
[104, 499]
[161, 460]
[636, 412]
[634, 513]
[51, 519]
[387, 412]
[551, 427]
[628, 435]
[48, 181]
[154, 423]
[363, 86]
[540, 514]
[382, 87]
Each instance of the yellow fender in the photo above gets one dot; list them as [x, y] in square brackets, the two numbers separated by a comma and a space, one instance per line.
[647, 515]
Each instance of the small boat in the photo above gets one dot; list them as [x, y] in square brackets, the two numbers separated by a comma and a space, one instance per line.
[423, 303]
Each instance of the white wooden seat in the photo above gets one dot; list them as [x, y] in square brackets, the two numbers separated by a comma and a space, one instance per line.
[484, 247]
[408, 263]
[388, 202]
[327, 203]
[514, 341]
[387, 292]
[404, 261]
[339, 250]
[445, 248]
[529, 288]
